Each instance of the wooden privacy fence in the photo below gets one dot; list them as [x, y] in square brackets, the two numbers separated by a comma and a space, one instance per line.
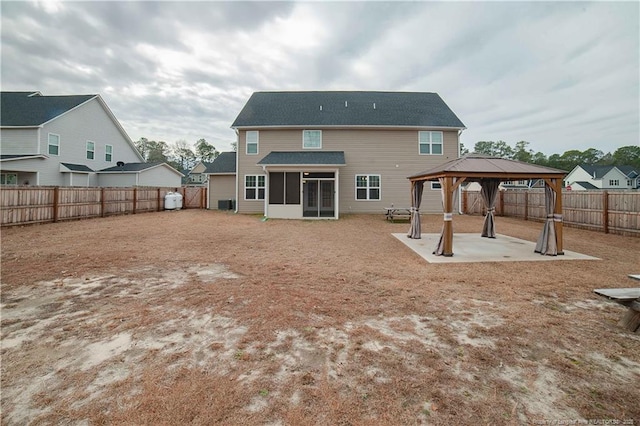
[36, 204]
[616, 212]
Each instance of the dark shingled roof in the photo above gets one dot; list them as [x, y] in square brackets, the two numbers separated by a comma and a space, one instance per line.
[224, 163]
[587, 185]
[77, 167]
[304, 158]
[24, 109]
[600, 171]
[131, 167]
[319, 109]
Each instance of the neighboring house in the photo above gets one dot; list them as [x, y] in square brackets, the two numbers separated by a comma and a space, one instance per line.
[197, 174]
[62, 141]
[603, 177]
[221, 174]
[510, 184]
[320, 154]
[141, 174]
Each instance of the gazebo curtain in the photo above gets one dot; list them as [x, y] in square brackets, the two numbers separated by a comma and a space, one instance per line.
[489, 194]
[415, 230]
[448, 216]
[547, 243]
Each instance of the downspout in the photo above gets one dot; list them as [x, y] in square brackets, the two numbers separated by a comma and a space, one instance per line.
[459, 186]
[237, 168]
[266, 191]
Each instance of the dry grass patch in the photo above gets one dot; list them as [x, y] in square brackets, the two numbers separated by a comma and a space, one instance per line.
[230, 320]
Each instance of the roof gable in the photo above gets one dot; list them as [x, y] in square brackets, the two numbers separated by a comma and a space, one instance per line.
[136, 168]
[30, 109]
[343, 108]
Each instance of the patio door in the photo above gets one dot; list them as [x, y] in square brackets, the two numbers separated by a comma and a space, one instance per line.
[318, 195]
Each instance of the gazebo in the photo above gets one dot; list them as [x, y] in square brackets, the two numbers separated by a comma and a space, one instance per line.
[489, 172]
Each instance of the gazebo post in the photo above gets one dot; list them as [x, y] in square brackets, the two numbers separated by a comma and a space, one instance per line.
[448, 216]
[557, 215]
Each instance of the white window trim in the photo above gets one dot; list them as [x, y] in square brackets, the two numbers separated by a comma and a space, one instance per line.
[5, 175]
[49, 144]
[436, 186]
[368, 188]
[92, 151]
[311, 147]
[106, 152]
[256, 188]
[246, 143]
[430, 143]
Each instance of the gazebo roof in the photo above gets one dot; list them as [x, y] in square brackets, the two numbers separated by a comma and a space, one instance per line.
[478, 166]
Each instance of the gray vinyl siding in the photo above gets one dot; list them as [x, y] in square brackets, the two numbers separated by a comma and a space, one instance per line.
[221, 187]
[159, 176]
[19, 141]
[117, 179]
[390, 153]
[88, 122]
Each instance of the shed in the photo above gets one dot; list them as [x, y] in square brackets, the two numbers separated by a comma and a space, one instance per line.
[489, 172]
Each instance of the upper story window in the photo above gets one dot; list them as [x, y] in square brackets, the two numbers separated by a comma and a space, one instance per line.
[367, 187]
[54, 144]
[312, 139]
[614, 182]
[252, 142]
[436, 185]
[108, 153]
[430, 143]
[91, 150]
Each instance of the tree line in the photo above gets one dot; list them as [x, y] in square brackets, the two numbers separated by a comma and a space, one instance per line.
[623, 156]
[178, 155]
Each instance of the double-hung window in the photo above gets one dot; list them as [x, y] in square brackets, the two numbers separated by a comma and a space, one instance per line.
[312, 139]
[252, 142]
[254, 186]
[108, 153]
[368, 187]
[430, 143]
[91, 150]
[54, 144]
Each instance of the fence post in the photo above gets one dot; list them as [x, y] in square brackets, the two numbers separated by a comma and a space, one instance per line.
[184, 197]
[135, 199]
[501, 202]
[159, 199]
[526, 205]
[56, 199]
[102, 202]
[605, 212]
[465, 201]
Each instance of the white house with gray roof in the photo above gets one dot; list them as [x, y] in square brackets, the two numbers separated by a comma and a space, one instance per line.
[70, 141]
[586, 177]
[323, 154]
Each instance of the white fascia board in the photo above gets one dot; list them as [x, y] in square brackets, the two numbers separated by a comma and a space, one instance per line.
[301, 165]
[26, 157]
[119, 126]
[353, 127]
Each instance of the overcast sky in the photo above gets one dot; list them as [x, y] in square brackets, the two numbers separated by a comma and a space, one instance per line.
[561, 75]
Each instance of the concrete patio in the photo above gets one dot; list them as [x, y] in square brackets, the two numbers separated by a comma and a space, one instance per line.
[469, 248]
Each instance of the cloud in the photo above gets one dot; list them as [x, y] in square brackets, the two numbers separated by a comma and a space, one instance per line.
[559, 75]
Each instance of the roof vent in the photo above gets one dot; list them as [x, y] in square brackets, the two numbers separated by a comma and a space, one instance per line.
[345, 104]
[120, 164]
[374, 105]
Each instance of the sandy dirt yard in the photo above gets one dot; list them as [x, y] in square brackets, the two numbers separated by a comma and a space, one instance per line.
[207, 317]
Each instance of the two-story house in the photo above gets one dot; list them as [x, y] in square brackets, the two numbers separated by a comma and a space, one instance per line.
[585, 177]
[322, 154]
[70, 141]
